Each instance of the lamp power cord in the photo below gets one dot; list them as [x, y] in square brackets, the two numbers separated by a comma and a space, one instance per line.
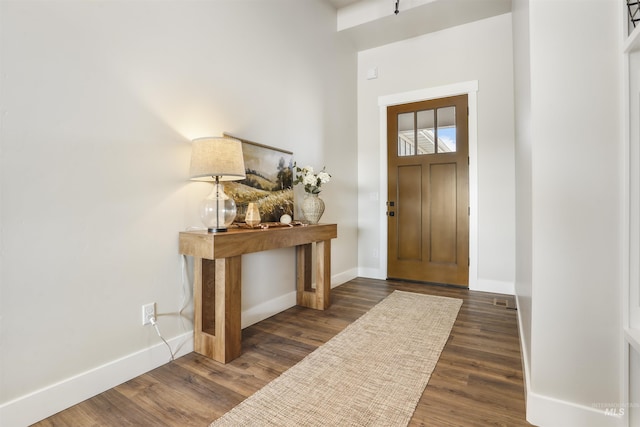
[184, 303]
[157, 328]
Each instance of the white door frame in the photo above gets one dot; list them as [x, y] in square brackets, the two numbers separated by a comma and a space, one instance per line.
[469, 88]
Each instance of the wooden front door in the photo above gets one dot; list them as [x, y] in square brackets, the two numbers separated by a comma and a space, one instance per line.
[428, 191]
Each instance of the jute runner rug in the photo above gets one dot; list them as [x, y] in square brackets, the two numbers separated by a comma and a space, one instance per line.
[370, 374]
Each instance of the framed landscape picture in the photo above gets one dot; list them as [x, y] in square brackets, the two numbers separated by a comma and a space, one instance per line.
[268, 182]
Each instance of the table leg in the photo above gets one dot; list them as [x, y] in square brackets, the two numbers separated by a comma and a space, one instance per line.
[217, 308]
[318, 298]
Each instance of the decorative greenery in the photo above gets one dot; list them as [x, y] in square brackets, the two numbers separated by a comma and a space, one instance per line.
[312, 181]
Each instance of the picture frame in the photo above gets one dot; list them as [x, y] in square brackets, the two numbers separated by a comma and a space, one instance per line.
[268, 182]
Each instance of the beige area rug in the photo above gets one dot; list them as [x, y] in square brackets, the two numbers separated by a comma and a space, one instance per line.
[370, 374]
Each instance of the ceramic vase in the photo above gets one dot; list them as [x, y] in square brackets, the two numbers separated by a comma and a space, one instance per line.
[312, 208]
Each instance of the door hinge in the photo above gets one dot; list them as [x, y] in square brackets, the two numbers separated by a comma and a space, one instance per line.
[469, 211]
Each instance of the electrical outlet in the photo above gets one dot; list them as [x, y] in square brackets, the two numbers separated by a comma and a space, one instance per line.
[148, 313]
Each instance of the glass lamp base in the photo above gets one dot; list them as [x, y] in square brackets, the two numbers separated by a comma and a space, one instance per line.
[218, 210]
[216, 230]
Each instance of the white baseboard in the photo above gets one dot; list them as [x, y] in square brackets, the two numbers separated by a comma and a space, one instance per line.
[371, 273]
[276, 305]
[267, 309]
[547, 411]
[484, 285]
[344, 277]
[493, 286]
[47, 401]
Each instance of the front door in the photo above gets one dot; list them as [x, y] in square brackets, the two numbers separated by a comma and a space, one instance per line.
[428, 191]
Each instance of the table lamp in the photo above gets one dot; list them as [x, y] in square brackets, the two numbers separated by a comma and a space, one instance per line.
[217, 159]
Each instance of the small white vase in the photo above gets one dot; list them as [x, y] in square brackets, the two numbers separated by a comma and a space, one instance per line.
[312, 208]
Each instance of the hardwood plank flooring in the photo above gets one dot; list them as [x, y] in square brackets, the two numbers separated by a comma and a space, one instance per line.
[477, 381]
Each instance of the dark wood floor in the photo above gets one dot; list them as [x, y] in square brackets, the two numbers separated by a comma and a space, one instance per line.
[477, 381]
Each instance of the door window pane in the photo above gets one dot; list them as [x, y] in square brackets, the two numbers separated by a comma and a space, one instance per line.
[406, 134]
[446, 130]
[426, 131]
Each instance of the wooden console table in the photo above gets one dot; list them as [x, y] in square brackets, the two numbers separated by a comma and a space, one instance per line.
[217, 278]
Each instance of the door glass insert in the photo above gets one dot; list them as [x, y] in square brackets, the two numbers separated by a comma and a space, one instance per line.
[446, 130]
[427, 132]
[406, 134]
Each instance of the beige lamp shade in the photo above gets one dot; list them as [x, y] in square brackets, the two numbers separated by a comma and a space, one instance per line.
[213, 157]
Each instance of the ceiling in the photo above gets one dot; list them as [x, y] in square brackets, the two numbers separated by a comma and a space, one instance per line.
[342, 3]
[431, 16]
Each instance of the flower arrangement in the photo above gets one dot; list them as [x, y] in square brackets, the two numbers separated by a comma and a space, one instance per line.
[312, 181]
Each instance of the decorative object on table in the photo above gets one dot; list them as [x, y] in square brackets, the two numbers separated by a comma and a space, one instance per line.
[285, 219]
[252, 217]
[312, 206]
[217, 159]
[268, 182]
[268, 225]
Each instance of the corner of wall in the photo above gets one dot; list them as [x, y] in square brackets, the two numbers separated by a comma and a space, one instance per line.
[493, 286]
[343, 277]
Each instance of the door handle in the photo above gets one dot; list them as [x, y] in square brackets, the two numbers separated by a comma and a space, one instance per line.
[391, 213]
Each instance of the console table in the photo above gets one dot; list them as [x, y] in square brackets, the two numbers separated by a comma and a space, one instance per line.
[217, 278]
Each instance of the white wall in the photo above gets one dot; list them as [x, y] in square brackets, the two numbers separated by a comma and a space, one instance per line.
[480, 51]
[99, 101]
[523, 158]
[569, 170]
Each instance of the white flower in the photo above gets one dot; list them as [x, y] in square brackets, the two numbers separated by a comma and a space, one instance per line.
[311, 180]
[324, 177]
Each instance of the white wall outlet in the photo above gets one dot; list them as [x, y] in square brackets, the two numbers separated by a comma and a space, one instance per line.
[148, 313]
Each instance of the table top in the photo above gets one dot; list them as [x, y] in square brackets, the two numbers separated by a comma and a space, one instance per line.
[239, 241]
